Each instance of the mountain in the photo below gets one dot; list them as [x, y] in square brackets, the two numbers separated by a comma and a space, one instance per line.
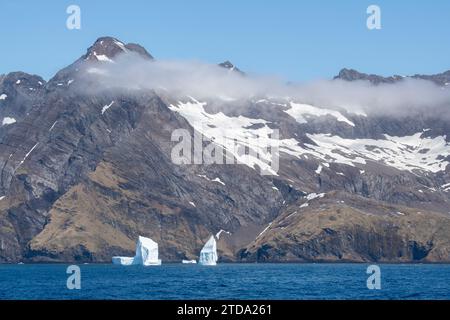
[441, 79]
[85, 172]
[228, 65]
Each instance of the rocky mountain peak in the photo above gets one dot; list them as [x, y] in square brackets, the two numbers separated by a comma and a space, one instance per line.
[230, 66]
[106, 48]
[354, 75]
[17, 80]
[227, 65]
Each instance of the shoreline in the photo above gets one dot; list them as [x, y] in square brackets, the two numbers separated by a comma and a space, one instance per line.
[243, 263]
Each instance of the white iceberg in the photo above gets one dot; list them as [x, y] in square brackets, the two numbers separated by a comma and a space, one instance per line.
[146, 254]
[123, 261]
[189, 261]
[208, 255]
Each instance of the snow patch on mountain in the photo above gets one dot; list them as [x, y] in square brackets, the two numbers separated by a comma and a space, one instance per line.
[220, 232]
[53, 125]
[406, 153]
[107, 107]
[313, 196]
[319, 169]
[234, 134]
[8, 120]
[102, 57]
[121, 45]
[262, 232]
[219, 181]
[27, 155]
[300, 113]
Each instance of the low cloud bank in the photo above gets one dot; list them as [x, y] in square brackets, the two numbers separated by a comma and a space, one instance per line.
[207, 81]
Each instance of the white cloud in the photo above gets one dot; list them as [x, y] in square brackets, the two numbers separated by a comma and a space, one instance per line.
[208, 81]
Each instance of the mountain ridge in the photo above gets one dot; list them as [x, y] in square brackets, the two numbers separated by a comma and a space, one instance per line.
[441, 79]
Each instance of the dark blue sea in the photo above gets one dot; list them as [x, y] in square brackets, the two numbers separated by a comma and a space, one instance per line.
[225, 281]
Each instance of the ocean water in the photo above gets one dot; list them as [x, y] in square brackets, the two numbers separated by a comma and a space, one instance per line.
[225, 281]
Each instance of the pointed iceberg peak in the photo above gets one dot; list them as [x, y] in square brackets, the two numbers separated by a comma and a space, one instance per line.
[146, 241]
[146, 254]
[208, 255]
[105, 49]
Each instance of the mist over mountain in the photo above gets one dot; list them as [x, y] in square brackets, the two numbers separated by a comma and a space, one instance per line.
[86, 163]
[394, 96]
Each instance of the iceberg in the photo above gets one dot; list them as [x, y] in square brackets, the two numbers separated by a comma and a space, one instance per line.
[123, 261]
[189, 261]
[146, 254]
[208, 255]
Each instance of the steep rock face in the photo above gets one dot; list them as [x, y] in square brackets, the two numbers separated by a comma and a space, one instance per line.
[18, 93]
[85, 172]
[354, 229]
[136, 189]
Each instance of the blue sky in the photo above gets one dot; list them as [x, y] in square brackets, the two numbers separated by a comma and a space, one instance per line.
[296, 40]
